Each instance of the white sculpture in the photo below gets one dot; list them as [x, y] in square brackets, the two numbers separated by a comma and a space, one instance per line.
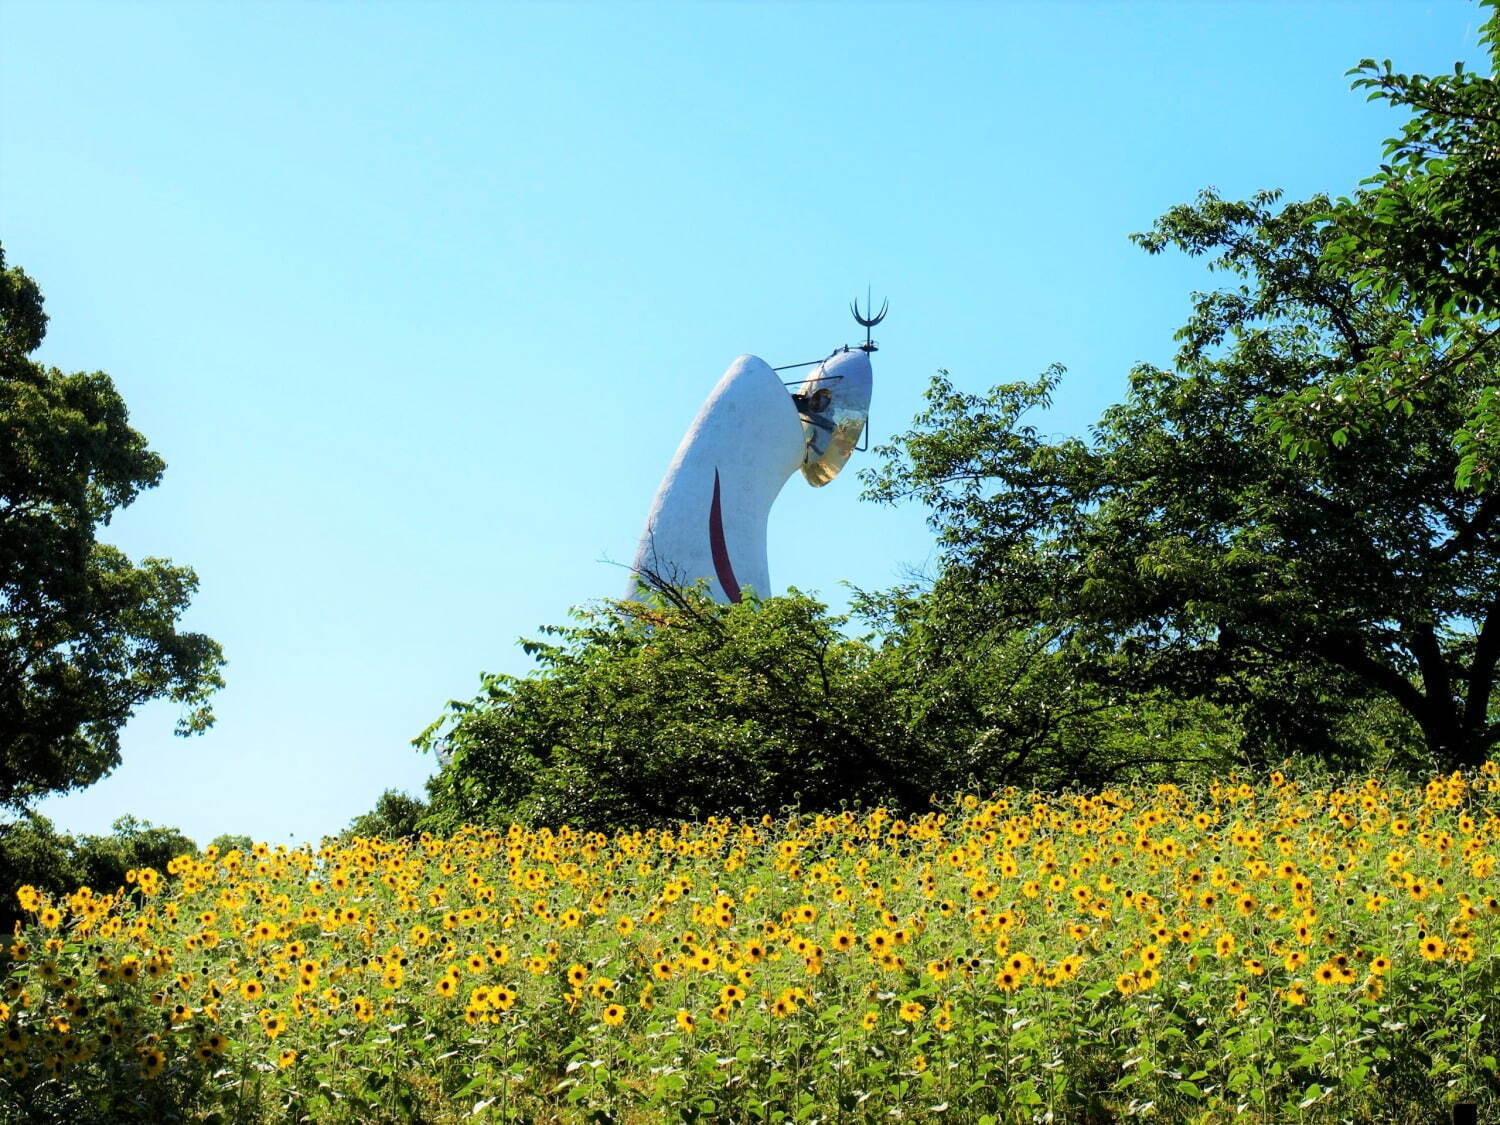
[709, 516]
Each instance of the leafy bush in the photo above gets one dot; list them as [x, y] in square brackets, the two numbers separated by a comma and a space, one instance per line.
[646, 712]
[396, 815]
[680, 707]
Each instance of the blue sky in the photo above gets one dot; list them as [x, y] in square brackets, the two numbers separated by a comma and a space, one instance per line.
[416, 299]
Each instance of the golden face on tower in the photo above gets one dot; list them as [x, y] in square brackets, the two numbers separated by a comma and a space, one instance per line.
[834, 405]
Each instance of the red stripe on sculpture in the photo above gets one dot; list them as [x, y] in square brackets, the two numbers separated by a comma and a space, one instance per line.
[720, 550]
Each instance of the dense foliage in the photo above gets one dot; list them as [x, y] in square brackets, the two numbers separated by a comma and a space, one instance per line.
[396, 815]
[1280, 950]
[1179, 551]
[86, 635]
[1423, 236]
[1178, 548]
[646, 712]
[677, 707]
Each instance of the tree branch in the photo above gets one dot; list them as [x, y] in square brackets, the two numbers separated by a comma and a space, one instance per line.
[1469, 531]
[1437, 676]
[1482, 670]
[1352, 658]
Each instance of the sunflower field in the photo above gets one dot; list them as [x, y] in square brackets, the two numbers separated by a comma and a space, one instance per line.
[1268, 950]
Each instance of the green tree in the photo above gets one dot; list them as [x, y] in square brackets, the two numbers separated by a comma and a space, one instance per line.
[105, 861]
[680, 707]
[649, 712]
[1333, 601]
[1001, 699]
[33, 853]
[227, 842]
[1179, 549]
[1422, 235]
[86, 636]
[396, 816]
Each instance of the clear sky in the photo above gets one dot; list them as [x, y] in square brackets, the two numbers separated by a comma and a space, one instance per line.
[416, 299]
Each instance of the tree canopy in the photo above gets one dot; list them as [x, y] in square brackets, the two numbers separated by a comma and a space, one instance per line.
[679, 707]
[86, 635]
[1295, 518]
[650, 712]
[396, 815]
[1422, 237]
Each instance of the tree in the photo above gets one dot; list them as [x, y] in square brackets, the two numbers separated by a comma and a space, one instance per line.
[396, 816]
[1003, 700]
[1422, 235]
[1179, 549]
[644, 713]
[86, 636]
[1351, 589]
[227, 842]
[33, 853]
[680, 707]
[106, 861]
